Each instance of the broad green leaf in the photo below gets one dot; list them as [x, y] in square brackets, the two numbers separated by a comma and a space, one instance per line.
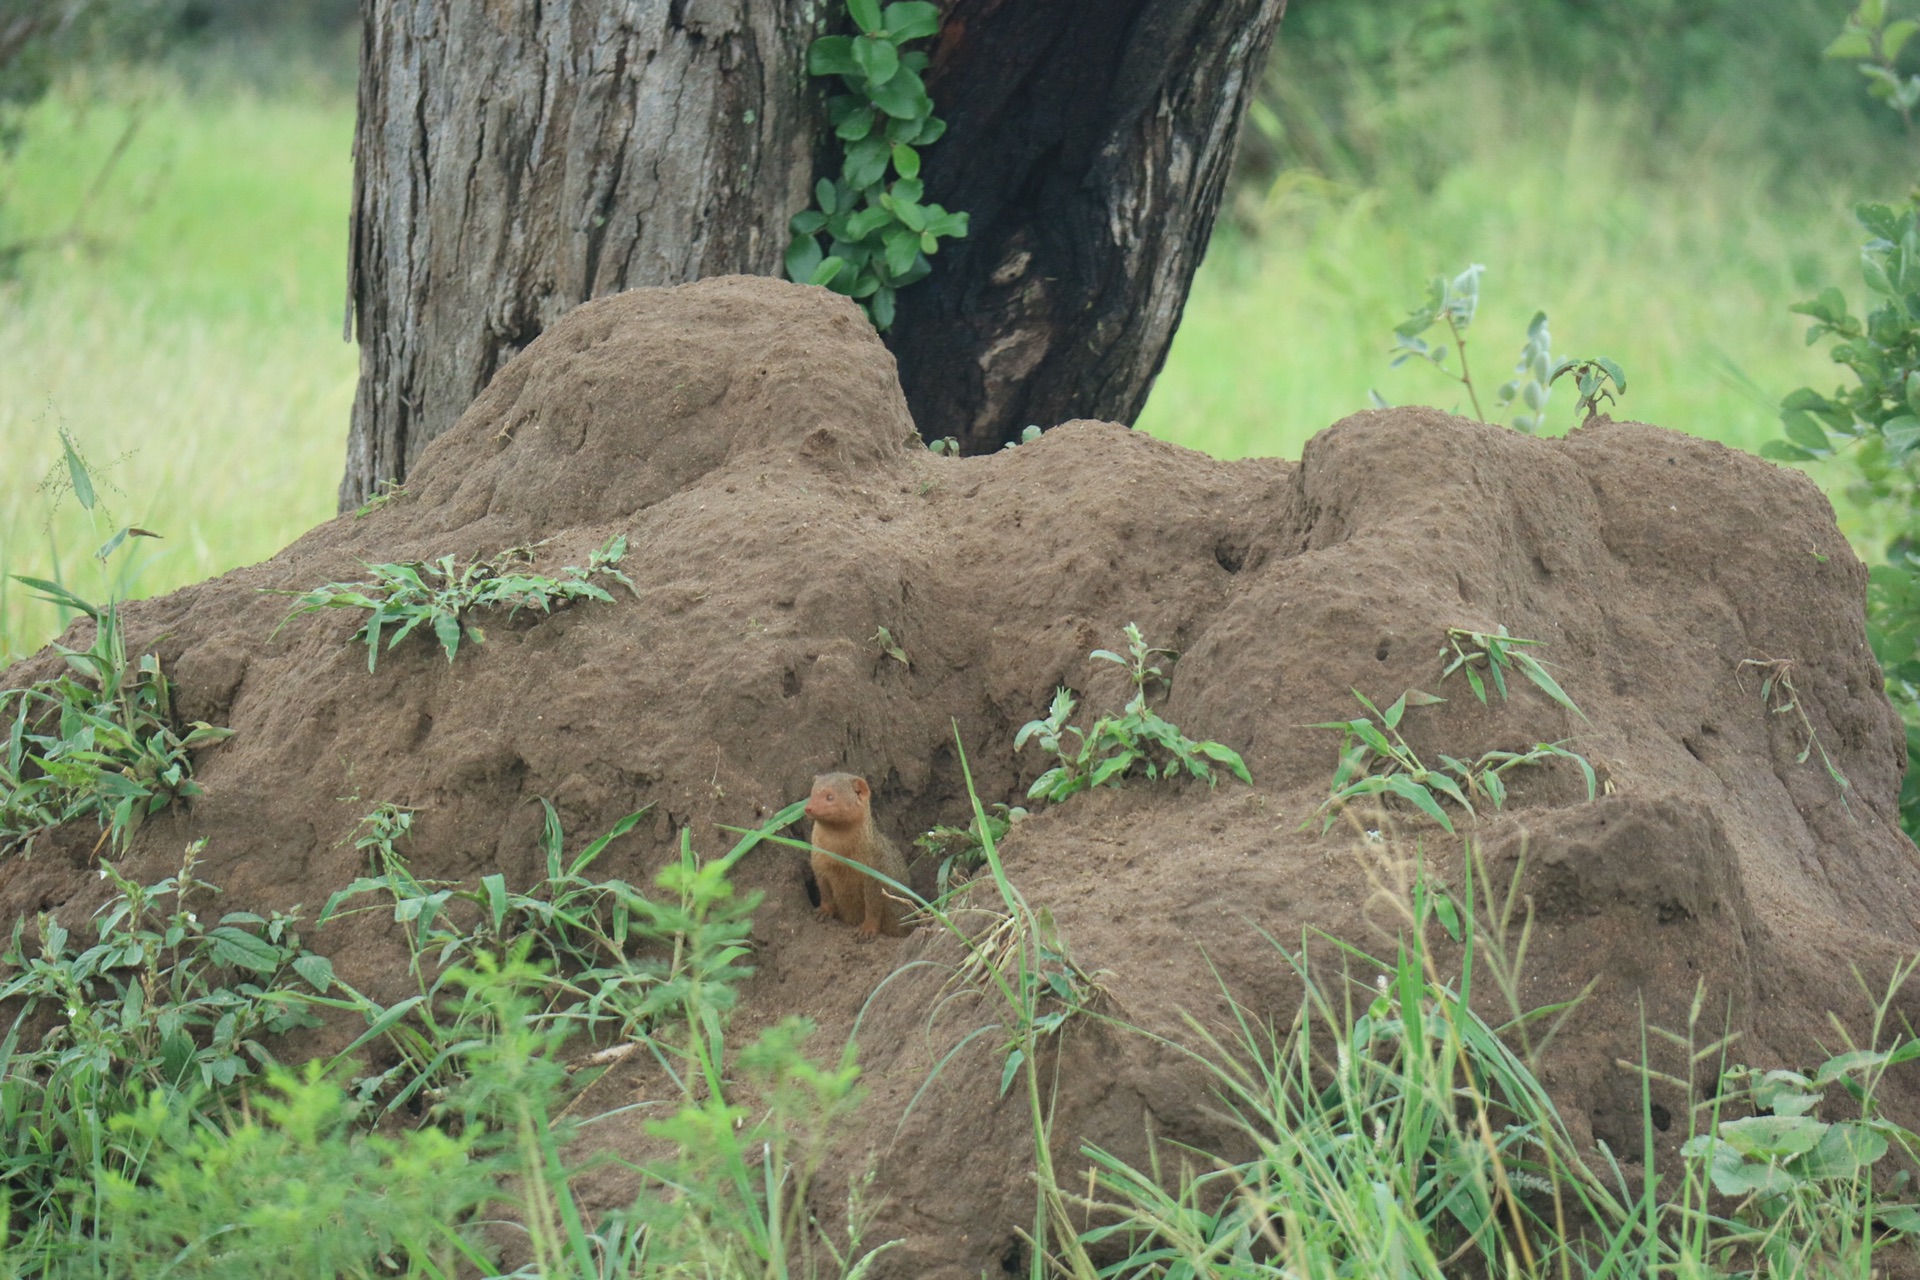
[856, 126]
[906, 161]
[1226, 756]
[1422, 799]
[1802, 430]
[1772, 1137]
[1546, 683]
[879, 60]
[317, 970]
[1451, 789]
[1901, 1217]
[903, 247]
[1843, 1064]
[867, 221]
[826, 271]
[446, 626]
[243, 950]
[1902, 435]
[1844, 1149]
[866, 163]
[1895, 37]
[911, 20]
[903, 97]
[866, 14]
[495, 885]
[832, 56]
[1735, 1177]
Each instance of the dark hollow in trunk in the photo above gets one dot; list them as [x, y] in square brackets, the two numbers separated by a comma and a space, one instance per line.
[1090, 143]
[514, 160]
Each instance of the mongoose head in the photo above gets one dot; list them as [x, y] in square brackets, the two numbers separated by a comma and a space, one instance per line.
[839, 800]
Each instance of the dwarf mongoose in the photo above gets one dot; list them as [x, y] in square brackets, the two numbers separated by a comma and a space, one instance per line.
[842, 812]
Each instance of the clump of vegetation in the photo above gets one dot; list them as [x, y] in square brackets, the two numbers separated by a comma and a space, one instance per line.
[1454, 303]
[1375, 760]
[127, 1145]
[161, 1010]
[101, 739]
[587, 931]
[1782, 699]
[1872, 428]
[1397, 1132]
[1137, 738]
[879, 233]
[963, 850]
[442, 597]
[1497, 654]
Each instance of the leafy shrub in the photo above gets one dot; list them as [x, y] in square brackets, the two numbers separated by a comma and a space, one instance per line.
[1454, 303]
[292, 1188]
[161, 1005]
[1137, 738]
[1872, 428]
[617, 961]
[963, 850]
[442, 597]
[879, 233]
[100, 741]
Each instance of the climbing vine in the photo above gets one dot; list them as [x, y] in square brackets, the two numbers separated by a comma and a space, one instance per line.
[878, 232]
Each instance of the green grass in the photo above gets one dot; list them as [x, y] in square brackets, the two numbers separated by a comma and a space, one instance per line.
[191, 343]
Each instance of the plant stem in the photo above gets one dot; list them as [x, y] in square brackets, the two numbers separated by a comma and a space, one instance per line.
[1466, 378]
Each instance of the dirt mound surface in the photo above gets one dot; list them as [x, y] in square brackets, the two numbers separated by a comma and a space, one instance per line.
[750, 439]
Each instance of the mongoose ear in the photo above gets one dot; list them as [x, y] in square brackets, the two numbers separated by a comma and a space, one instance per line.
[861, 789]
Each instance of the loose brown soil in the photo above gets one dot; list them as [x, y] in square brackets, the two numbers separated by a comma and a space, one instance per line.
[751, 440]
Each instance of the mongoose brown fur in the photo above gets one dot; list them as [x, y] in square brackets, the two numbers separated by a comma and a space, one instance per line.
[842, 811]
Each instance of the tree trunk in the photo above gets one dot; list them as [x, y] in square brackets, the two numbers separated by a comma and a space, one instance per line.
[515, 159]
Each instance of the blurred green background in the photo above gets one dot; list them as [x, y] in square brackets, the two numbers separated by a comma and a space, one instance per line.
[1663, 177]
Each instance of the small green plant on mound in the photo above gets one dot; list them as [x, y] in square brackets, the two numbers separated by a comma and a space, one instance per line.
[879, 233]
[100, 740]
[442, 597]
[1137, 738]
[1376, 761]
[962, 850]
[1454, 302]
[1782, 699]
[1497, 655]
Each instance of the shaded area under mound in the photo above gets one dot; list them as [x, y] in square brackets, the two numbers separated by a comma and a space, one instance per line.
[751, 440]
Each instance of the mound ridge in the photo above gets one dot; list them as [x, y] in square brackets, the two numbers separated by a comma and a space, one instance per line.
[750, 439]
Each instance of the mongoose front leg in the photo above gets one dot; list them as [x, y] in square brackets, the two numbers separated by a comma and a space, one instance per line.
[879, 911]
[825, 911]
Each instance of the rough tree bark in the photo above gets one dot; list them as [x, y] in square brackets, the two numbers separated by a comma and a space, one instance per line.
[516, 158]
